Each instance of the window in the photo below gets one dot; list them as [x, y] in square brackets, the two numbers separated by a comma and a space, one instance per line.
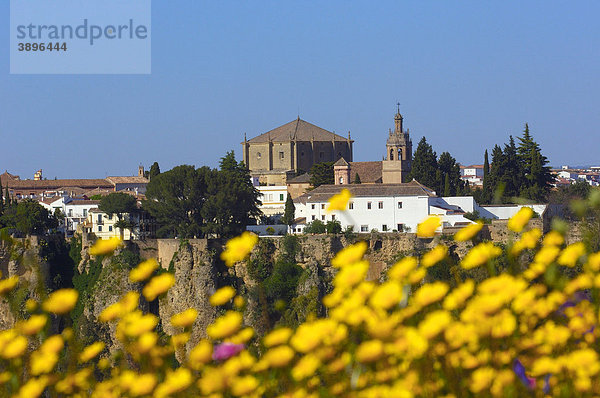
[322, 206]
[85, 212]
[400, 227]
[341, 180]
[364, 228]
[281, 155]
[99, 228]
[323, 218]
[384, 227]
[399, 205]
[369, 205]
[380, 205]
[281, 197]
[333, 217]
[313, 218]
[312, 206]
[110, 216]
[351, 205]
[70, 212]
[99, 218]
[110, 228]
[258, 155]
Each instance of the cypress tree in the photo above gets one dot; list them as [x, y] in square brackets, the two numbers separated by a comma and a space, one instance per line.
[357, 179]
[447, 185]
[6, 196]
[424, 165]
[538, 179]
[289, 212]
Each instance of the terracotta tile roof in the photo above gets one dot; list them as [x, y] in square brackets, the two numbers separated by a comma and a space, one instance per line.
[341, 162]
[297, 129]
[473, 166]
[76, 202]
[56, 184]
[324, 192]
[369, 172]
[6, 176]
[301, 179]
[128, 180]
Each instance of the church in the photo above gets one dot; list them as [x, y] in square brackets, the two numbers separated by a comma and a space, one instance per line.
[279, 155]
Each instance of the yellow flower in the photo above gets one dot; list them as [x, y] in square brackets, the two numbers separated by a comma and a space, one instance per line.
[386, 295]
[33, 325]
[369, 351]
[430, 293]
[52, 344]
[350, 254]
[351, 274]
[339, 201]
[91, 351]
[222, 296]
[180, 339]
[33, 388]
[571, 254]
[529, 240]
[468, 232]
[434, 256]
[185, 318]
[279, 357]
[146, 342]
[238, 248]
[305, 367]
[200, 355]
[520, 220]
[434, 323]
[480, 255]
[15, 347]
[402, 268]
[61, 301]
[553, 238]
[239, 302]
[459, 295]
[158, 285]
[6, 285]
[225, 325]
[242, 336]
[135, 324]
[593, 262]
[42, 362]
[105, 246]
[175, 381]
[144, 384]
[277, 337]
[143, 270]
[111, 312]
[482, 378]
[243, 385]
[427, 228]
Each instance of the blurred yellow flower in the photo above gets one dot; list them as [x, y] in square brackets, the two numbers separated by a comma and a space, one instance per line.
[243, 385]
[144, 385]
[351, 274]
[517, 222]
[402, 268]
[91, 351]
[349, 254]
[222, 296]
[277, 337]
[135, 324]
[14, 347]
[52, 344]
[185, 318]
[175, 381]
[146, 342]
[386, 295]
[225, 325]
[427, 228]
[239, 302]
[434, 323]
[33, 388]
[180, 339]
[339, 201]
[529, 240]
[430, 293]
[200, 355]
[105, 246]
[459, 295]
[553, 238]
[480, 255]
[369, 351]
[158, 285]
[61, 301]
[482, 378]
[434, 256]
[143, 270]
[242, 337]
[6, 285]
[305, 367]
[239, 248]
[468, 232]
[571, 254]
[278, 357]
[33, 325]
[42, 362]
[111, 312]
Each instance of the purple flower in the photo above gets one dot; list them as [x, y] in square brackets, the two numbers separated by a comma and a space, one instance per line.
[226, 350]
[519, 370]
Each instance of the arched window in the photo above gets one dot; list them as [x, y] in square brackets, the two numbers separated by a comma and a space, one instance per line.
[341, 180]
[399, 153]
[391, 154]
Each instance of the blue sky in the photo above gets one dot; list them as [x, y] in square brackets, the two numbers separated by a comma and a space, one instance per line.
[467, 74]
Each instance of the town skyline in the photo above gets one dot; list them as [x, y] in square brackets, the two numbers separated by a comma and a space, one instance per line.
[467, 76]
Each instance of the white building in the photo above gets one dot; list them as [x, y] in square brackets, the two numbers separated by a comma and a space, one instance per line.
[75, 211]
[473, 174]
[272, 199]
[103, 225]
[395, 207]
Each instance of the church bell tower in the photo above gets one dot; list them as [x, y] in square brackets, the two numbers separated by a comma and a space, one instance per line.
[398, 157]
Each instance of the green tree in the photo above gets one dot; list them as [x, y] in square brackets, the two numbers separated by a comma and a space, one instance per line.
[321, 174]
[119, 204]
[447, 185]
[333, 227]
[231, 201]
[486, 196]
[451, 172]
[29, 217]
[154, 170]
[175, 199]
[6, 196]
[538, 178]
[357, 179]
[424, 165]
[289, 212]
[315, 227]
